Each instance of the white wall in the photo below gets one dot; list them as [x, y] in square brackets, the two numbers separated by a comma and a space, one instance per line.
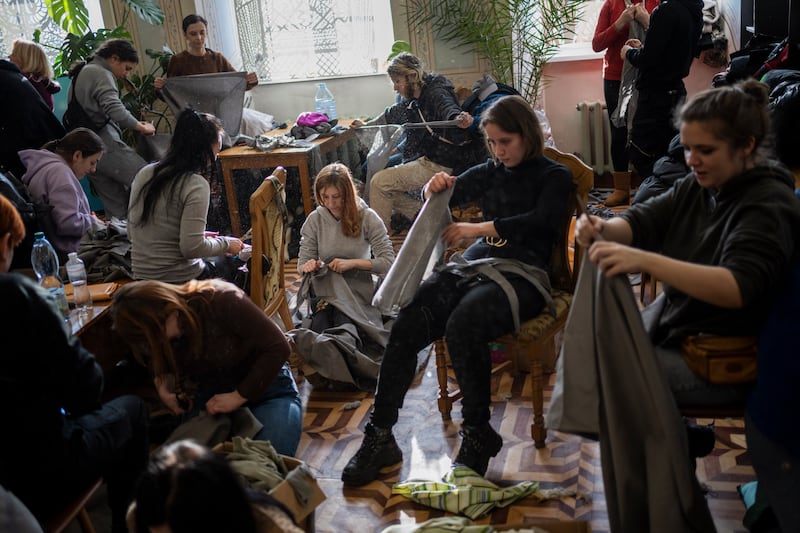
[571, 82]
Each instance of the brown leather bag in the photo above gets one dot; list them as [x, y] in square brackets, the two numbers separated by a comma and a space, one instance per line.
[722, 360]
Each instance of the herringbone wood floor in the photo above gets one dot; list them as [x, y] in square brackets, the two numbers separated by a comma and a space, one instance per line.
[334, 422]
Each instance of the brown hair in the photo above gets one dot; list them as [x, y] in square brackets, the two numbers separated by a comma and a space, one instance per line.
[337, 175]
[81, 140]
[31, 59]
[10, 221]
[513, 114]
[140, 310]
[734, 114]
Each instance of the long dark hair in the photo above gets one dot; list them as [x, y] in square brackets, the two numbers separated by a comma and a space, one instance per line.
[122, 48]
[81, 140]
[189, 153]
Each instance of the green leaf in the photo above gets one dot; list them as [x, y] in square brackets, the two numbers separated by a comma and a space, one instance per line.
[71, 15]
[147, 10]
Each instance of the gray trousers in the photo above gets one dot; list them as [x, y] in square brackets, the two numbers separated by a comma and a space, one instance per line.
[114, 175]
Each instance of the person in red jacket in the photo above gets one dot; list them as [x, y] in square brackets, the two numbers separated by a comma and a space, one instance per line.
[610, 34]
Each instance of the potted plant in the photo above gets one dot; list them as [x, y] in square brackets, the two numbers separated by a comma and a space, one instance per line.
[137, 93]
[516, 37]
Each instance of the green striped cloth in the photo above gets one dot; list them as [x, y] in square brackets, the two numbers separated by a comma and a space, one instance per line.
[463, 491]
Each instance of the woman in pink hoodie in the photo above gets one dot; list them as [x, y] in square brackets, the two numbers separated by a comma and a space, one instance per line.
[52, 175]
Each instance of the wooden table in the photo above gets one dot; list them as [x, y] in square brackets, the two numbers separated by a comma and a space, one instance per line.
[244, 157]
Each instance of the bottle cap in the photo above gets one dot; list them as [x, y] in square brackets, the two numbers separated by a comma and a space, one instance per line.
[72, 255]
[38, 235]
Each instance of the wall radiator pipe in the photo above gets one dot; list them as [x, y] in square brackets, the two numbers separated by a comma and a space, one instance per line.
[595, 136]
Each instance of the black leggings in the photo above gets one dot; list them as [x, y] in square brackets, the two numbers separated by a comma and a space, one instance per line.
[469, 317]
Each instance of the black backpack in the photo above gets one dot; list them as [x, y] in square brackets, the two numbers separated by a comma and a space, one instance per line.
[35, 215]
[76, 116]
[476, 152]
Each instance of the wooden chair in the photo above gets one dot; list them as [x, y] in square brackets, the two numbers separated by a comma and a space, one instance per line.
[269, 217]
[74, 509]
[536, 340]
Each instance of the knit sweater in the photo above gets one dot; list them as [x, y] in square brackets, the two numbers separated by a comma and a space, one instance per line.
[49, 178]
[170, 247]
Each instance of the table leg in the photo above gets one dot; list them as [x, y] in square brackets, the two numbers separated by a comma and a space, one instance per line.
[305, 187]
[230, 194]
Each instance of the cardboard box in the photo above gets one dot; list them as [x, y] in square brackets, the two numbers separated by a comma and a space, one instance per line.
[303, 512]
[552, 526]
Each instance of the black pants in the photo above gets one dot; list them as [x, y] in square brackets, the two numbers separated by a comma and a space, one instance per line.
[619, 136]
[110, 442]
[469, 317]
[653, 127]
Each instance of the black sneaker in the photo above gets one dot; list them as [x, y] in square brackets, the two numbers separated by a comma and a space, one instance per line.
[378, 450]
[478, 445]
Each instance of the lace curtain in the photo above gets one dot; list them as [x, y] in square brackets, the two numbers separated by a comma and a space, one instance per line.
[284, 41]
[19, 19]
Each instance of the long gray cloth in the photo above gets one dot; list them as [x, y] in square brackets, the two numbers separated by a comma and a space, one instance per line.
[340, 353]
[221, 94]
[609, 383]
[422, 249]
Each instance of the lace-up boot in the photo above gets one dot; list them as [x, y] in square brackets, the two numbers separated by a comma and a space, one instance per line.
[378, 450]
[478, 445]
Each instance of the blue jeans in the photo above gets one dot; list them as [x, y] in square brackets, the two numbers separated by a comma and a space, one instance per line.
[279, 410]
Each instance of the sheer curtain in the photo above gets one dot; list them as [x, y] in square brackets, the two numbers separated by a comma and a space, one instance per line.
[284, 41]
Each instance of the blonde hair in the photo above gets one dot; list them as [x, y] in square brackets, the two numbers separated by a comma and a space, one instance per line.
[405, 64]
[31, 59]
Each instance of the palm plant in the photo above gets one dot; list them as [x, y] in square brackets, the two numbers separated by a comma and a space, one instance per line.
[516, 37]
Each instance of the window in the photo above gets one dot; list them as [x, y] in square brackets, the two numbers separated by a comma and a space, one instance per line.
[20, 18]
[300, 40]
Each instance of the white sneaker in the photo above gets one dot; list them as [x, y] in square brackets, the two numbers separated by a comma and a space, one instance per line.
[120, 225]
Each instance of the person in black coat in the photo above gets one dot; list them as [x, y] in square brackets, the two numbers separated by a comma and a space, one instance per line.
[59, 435]
[25, 119]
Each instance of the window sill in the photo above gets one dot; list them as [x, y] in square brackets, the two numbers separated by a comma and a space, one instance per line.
[575, 52]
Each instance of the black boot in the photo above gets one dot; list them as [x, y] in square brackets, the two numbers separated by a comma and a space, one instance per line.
[378, 450]
[478, 445]
[701, 438]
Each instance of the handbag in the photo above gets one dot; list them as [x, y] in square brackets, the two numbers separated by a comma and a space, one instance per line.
[722, 360]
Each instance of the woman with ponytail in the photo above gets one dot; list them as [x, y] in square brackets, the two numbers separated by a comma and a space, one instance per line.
[721, 240]
[52, 177]
[169, 205]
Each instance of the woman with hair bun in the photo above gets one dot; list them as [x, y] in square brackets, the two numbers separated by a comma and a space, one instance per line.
[721, 240]
[52, 177]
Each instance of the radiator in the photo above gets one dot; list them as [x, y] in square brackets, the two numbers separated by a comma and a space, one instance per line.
[595, 136]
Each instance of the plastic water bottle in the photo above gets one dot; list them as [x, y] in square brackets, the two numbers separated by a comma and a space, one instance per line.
[76, 271]
[325, 102]
[44, 261]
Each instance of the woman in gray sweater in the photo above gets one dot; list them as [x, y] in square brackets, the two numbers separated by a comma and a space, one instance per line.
[94, 85]
[169, 205]
[343, 246]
